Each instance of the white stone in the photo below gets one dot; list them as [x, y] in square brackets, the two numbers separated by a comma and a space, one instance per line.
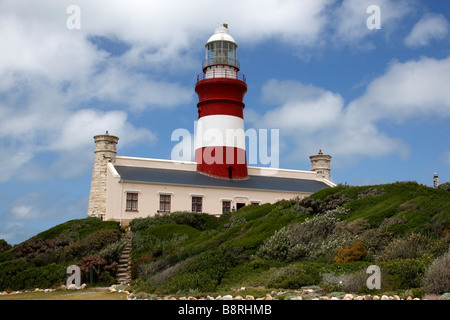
[384, 297]
[227, 297]
[348, 296]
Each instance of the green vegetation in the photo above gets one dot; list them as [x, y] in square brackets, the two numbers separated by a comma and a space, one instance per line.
[328, 240]
[42, 260]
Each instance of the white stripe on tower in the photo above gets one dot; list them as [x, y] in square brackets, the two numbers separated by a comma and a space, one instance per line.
[220, 131]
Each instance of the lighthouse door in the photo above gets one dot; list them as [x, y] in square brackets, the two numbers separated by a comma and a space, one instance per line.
[230, 172]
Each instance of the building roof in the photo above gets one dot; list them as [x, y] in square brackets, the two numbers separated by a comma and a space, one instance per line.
[193, 178]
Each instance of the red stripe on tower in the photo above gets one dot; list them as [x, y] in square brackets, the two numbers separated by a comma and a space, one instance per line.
[220, 137]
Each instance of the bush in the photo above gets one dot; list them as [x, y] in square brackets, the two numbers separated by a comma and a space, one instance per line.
[437, 276]
[405, 273]
[301, 239]
[24, 274]
[98, 265]
[204, 273]
[4, 246]
[200, 221]
[91, 244]
[295, 277]
[112, 252]
[349, 253]
[409, 247]
[445, 186]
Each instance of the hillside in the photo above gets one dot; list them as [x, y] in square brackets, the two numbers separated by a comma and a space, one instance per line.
[326, 240]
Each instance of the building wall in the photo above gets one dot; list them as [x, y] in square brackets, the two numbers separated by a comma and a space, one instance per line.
[181, 196]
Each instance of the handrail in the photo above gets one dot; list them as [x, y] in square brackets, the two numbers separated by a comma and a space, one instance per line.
[221, 61]
[218, 74]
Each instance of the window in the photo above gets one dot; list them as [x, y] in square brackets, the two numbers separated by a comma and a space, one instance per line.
[164, 203]
[197, 204]
[226, 206]
[132, 201]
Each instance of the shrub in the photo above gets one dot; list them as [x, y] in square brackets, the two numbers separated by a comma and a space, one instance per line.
[409, 247]
[437, 276]
[205, 272]
[277, 246]
[24, 274]
[300, 239]
[354, 282]
[295, 277]
[349, 253]
[112, 252]
[98, 265]
[200, 221]
[93, 243]
[405, 273]
[445, 186]
[4, 246]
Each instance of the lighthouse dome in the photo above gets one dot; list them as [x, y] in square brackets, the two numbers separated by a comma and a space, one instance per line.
[221, 34]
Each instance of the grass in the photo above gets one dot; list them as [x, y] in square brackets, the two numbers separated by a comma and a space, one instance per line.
[85, 294]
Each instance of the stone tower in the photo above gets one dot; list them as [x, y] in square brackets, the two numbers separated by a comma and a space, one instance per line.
[320, 163]
[105, 151]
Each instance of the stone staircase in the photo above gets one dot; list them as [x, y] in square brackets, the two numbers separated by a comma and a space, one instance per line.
[123, 275]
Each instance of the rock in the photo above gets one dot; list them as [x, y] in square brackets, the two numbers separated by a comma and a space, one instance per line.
[242, 288]
[227, 297]
[324, 298]
[358, 298]
[416, 299]
[268, 297]
[367, 297]
[409, 298]
[395, 297]
[297, 298]
[183, 298]
[219, 298]
[445, 296]
[384, 297]
[36, 290]
[335, 298]
[249, 297]
[375, 298]
[209, 298]
[72, 287]
[238, 298]
[348, 297]
[83, 286]
[192, 298]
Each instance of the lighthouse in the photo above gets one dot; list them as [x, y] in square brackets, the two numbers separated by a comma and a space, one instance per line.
[220, 150]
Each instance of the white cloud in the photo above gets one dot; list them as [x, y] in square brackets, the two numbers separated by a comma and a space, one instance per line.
[311, 118]
[350, 19]
[416, 88]
[430, 27]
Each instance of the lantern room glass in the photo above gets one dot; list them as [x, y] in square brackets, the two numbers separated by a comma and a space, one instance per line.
[221, 52]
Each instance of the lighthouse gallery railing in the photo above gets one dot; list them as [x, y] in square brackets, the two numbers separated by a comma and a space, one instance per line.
[216, 74]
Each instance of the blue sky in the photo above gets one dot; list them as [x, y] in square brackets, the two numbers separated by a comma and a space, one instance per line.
[377, 100]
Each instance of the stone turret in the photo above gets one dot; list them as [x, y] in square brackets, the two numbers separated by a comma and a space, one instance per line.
[105, 151]
[320, 163]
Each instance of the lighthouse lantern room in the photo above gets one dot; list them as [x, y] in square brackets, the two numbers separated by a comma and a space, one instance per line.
[220, 150]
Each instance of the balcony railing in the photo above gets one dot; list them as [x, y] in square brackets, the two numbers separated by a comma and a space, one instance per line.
[226, 74]
[221, 61]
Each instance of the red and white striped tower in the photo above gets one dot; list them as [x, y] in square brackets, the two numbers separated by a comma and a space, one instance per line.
[220, 137]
